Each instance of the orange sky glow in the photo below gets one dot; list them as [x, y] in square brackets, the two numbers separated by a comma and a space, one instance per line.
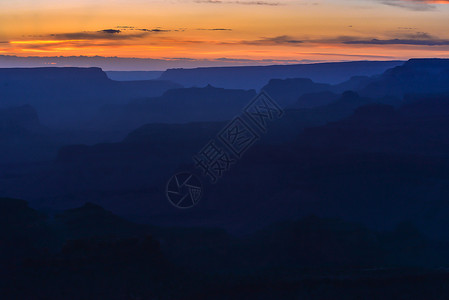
[261, 31]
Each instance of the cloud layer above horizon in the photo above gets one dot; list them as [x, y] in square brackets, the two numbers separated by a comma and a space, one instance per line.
[227, 31]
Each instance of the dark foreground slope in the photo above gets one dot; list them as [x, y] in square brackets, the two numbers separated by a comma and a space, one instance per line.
[89, 253]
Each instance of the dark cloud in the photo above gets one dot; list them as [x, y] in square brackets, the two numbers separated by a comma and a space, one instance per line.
[132, 28]
[411, 5]
[245, 60]
[417, 38]
[70, 43]
[111, 31]
[124, 33]
[418, 42]
[152, 30]
[215, 29]
[105, 34]
[277, 40]
[419, 35]
[349, 55]
[428, 1]
[180, 59]
[416, 5]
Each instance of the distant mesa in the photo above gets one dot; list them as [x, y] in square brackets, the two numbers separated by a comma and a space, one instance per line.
[257, 76]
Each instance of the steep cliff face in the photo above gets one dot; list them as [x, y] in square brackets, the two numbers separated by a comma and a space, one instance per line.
[70, 96]
[55, 74]
[417, 76]
[286, 92]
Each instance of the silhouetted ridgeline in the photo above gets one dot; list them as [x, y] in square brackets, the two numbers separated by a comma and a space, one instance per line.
[181, 105]
[257, 77]
[217, 104]
[344, 197]
[287, 91]
[69, 96]
[80, 98]
[416, 76]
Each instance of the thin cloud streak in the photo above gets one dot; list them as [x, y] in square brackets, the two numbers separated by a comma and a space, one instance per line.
[260, 3]
[415, 5]
[399, 42]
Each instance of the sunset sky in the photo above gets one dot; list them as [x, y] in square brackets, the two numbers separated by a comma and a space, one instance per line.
[227, 31]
